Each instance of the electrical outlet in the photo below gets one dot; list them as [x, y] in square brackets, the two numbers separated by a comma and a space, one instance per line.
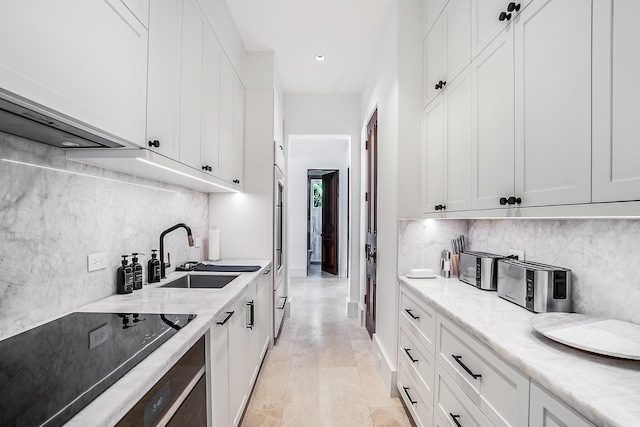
[518, 253]
[198, 242]
[96, 261]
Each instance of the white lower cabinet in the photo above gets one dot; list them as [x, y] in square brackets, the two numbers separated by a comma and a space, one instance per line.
[498, 390]
[548, 411]
[237, 344]
[452, 404]
[464, 383]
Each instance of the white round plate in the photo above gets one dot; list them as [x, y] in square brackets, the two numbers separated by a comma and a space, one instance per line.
[598, 335]
[410, 276]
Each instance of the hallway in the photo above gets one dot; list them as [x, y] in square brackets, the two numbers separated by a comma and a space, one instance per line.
[321, 372]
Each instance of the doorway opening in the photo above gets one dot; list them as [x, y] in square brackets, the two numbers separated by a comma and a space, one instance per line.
[323, 235]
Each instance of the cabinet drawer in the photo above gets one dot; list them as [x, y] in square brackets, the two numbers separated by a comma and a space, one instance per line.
[451, 404]
[497, 389]
[420, 317]
[416, 356]
[416, 397]
[547, 410]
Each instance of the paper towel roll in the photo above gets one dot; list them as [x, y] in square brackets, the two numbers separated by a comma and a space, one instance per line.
[214, 244]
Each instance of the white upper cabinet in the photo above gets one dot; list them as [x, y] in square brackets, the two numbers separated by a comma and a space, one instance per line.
[278, 138]
[447, 47]
[489, 17]
[231, 125]
[433, 156]
[493, 123]
[458, 143]
[616, 100]
[86, 60]
[192, 85]
[165, 45]
[553, 103]
[431, 10]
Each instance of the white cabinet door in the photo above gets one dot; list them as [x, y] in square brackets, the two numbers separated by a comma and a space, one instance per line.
[431, 10]
[489, 17]
[458, 143]
[86, 60]
[211, 114]
[616, 100]
[227, 78]
[237, 149]
[456, 20]
[192, 84]
[165, 44]
[433, 155]
[547, 411]
[217, 342]
[238, 375]
[553, 103]
[278, 138]
[493, 123]
[433, 57]
[447, 48]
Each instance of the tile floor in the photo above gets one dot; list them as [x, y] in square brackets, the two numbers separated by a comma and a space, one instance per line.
[321, 372]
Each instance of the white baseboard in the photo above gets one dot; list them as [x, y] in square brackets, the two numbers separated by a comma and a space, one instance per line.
[297, 272]
[388, 374]
[352, 308]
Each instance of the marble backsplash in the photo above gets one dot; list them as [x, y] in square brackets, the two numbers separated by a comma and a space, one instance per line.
[54, 212]
[603, 254]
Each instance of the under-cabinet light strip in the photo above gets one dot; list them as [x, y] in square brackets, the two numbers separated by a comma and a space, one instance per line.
[88, 176]
[187, 175]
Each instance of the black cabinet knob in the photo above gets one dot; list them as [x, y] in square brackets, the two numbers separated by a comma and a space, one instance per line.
[512, 200]
[236, 181]
[440, 207]
[513, 7]
[154, 143]
[207, 168]
[440, 84]
[504, 15]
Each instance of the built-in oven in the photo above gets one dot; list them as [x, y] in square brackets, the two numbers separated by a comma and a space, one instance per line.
[178, 399]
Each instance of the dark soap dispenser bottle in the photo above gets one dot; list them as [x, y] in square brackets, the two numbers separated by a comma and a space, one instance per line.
[137, 271]
[153, 267]
[124, 277]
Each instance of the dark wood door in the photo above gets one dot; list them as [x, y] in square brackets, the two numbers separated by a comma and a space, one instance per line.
[371, 198]
[330, 235]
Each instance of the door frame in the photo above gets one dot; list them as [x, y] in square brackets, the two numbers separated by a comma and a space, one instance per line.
[316, 174]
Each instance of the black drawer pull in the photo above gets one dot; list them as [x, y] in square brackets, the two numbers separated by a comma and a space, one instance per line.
[406, 350]
[455, 419]
[475, 376]
[406, 391]
[226, 319]
[408, 310]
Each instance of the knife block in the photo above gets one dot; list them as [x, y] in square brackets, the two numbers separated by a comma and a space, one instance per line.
[455, 260]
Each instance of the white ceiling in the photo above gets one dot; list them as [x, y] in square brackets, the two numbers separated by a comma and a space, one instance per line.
[346, 32]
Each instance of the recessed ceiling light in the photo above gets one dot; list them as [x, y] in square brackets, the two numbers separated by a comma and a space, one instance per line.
[319, 57]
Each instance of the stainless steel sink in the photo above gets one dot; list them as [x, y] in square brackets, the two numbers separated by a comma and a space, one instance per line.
[201, 281]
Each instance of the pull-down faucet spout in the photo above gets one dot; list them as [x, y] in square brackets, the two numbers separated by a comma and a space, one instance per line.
[163, 266]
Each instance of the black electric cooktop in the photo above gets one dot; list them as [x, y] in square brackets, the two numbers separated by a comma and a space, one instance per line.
[49, 373]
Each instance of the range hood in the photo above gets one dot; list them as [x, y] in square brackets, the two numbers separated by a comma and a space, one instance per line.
[41, 127]
[147, 164]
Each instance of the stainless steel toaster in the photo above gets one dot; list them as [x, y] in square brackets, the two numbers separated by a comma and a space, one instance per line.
[538, 287]
[479, 269]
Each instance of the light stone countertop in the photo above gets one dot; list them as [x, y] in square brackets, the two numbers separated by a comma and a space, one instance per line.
[209, 304]
[604, 390]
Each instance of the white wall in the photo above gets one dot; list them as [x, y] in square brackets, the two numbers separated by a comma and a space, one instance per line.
[394, 87]
[333, 115]
[305, 154]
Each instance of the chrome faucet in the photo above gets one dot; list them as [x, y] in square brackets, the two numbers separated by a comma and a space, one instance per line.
[163, 266]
